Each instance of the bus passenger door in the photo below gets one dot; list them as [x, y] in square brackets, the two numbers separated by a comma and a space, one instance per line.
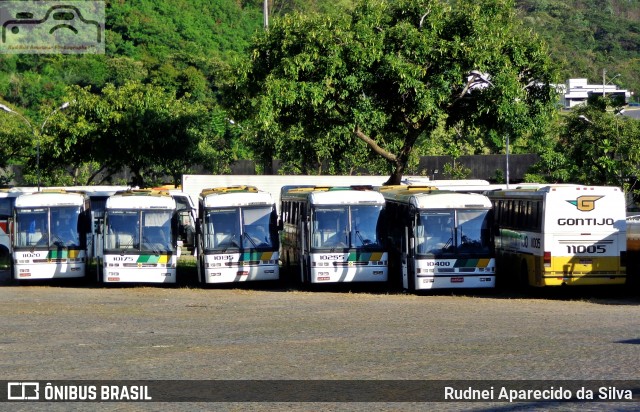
[404, 259]
[304, 249]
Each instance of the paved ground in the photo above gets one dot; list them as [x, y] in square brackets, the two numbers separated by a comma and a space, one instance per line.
[52, 332]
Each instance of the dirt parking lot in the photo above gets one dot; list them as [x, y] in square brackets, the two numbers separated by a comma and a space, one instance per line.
[52, 332]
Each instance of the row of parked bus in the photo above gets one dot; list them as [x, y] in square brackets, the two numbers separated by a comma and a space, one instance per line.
[416, 237]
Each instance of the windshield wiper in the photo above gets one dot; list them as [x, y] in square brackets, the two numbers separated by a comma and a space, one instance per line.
[245, 234]
[229, 243]
[366, 246]
[152, 246]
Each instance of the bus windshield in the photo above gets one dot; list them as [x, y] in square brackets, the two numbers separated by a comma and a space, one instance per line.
[473, 231]
[246, 228]
[47, 227]
[449, 232]
[257, 228]
[156, 231]
[346, 227]
[123, 230]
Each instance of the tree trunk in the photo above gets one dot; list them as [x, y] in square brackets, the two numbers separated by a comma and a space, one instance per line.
[400, 162]
[396, 175]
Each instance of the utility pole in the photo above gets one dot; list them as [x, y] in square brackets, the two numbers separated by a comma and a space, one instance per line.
[507, 162]
[265, 11]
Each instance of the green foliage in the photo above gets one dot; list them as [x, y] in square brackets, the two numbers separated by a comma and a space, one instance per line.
[16, 142]
[282, 7]
[338, 86]
[596, 146]
[456, 171]
[388, 74]
[137, 127]
[178, 46]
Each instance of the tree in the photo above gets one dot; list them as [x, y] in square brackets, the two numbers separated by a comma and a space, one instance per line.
[16, 143]
[390, 73]
[138, 127]
[597, 146]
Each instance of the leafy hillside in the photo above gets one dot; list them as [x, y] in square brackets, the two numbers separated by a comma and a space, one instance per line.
[586, 37]
[185, 45]
[176, 54]
[179, 45]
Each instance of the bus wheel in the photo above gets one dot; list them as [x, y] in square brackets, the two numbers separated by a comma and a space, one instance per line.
[411, 282]
[202, 273]
[5, 257]
[99, 271]
[12, 275]
[524, 276]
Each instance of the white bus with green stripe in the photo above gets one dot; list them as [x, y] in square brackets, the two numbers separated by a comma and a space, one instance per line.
[237, 235]
[332, 234]
[50, 235]
[438, 239]
[139, 238]
[553, 235]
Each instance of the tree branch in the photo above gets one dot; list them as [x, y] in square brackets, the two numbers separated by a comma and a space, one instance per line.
[423, 17]
[373, 145]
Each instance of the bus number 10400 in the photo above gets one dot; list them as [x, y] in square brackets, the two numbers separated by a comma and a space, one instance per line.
[586, 249]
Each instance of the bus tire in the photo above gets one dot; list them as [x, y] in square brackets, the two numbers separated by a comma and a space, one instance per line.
[99, 271]
[12, 276]
[411, 279]
[200, 263]
[5, 256]
[523, 279]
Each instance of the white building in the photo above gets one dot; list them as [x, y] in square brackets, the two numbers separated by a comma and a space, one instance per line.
[577, 91]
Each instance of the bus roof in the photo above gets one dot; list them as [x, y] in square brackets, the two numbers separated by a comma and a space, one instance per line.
[7, 193]
[429, 197]
[99, 190]
[235, 196]
[333, 195]
[346, 196]
[16, 191]
[544, 190]
[425, 181]
[228, 189]
[141, 199]
[50, 198]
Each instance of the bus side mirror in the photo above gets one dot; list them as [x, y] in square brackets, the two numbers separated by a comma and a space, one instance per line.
[98, 223]
[86, 222]
[10, 229]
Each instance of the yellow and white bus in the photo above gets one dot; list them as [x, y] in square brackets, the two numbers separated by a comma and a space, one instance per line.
[332, 234]
[439, 239]
[237, 235]
[51, 230]
[633, 250]
[561, 235]
[139, 238]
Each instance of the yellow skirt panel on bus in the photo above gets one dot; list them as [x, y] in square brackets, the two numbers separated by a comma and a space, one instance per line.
[574, 270]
